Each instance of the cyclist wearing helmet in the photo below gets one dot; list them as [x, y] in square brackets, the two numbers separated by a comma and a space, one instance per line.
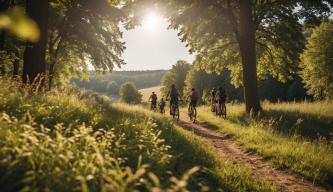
[194, 96]
[153, 99]
[221, 96]
[212, 99]
[174, 95]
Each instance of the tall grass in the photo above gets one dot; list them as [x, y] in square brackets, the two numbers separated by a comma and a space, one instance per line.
[189, 149]
[68, 141]
[282, 138]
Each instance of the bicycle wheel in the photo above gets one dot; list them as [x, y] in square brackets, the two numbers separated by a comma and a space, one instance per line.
[224, 112]
[217, 113]
[176, 114]
[172, 110]
[194, 114]
[190, 113]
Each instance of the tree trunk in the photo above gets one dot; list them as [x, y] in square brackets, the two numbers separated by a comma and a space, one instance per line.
[16, 65]
[51, 73]
[248, 55]
[34, 55]
[4, 5]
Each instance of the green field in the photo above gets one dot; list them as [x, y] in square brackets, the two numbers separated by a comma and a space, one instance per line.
[292, 136]
[69, 141]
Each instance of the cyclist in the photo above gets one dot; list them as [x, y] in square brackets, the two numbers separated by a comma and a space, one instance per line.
[162, 105]
[212, 99]
[194, 96]
[153, 99]
[221, 98]
[174, 95]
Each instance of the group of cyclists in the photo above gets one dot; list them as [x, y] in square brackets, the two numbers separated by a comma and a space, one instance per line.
[218, 99]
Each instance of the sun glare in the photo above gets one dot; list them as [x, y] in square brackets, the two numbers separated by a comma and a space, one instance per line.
[151, 21]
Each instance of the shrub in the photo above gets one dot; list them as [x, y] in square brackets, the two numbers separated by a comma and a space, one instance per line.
[129, 94]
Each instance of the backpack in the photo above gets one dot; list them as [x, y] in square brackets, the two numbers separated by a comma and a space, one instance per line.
[154, 97]
[174, 93]
[221, 95]
[194, 96]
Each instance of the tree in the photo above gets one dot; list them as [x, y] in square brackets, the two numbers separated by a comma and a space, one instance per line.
[34, 55]
[112, 88]
[19, 25]
[177, 76]
[82, 31]
[204, 82]
[317, 62]
[129, 94]
[249, 37]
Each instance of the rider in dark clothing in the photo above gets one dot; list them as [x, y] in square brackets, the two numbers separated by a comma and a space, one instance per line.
[212, 95]
[153, 98]
[174, 95]
[213, 99]
[221, 96]
[162, 105]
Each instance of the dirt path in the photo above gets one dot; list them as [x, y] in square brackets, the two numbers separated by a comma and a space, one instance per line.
[261, 169]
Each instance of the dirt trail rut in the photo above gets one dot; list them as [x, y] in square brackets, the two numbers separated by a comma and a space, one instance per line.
[261, 169]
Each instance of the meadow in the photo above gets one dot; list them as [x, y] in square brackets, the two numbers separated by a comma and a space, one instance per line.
[292, 136]
[72, 141]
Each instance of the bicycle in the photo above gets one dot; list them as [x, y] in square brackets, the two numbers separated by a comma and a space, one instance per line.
[192, 113]
[153, 106]
[174, 109]
[162, 109]
[221, 110]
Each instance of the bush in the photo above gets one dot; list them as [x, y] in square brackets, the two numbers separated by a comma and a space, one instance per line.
[129, 94]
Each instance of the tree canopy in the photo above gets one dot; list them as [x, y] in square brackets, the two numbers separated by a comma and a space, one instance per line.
[242, 35]
[177, 76]
[317, 62]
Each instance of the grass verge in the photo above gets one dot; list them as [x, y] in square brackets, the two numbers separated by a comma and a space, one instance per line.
[310, 158]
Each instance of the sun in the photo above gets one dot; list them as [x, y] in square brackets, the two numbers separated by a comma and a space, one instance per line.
[151, 21]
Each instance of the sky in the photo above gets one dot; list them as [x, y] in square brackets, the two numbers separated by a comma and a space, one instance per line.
[152, 46]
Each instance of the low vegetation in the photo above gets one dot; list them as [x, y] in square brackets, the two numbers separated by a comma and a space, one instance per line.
[65, 141]
[293, 136]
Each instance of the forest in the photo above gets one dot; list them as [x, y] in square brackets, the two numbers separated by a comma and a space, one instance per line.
[72, 120]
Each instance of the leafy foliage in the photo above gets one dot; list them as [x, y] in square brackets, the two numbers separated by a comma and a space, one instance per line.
[203, 82]
[176, 75]
[317, 62]
[129, 94]
[83, 32]
[18, 23]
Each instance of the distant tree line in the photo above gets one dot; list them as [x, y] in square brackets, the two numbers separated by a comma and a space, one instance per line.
[110, 83]
[186, 77]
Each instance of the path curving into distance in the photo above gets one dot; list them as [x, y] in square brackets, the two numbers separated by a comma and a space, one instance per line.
[261, 169]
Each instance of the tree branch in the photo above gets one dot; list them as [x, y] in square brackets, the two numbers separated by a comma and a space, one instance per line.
[269, 50]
